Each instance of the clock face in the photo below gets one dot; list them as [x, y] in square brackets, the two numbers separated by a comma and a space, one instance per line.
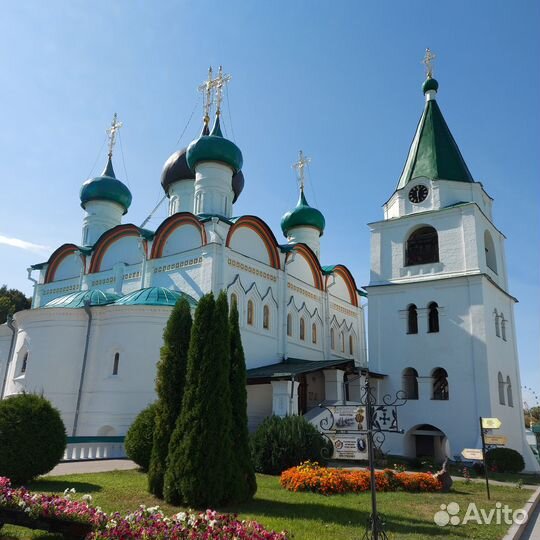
[418, 193]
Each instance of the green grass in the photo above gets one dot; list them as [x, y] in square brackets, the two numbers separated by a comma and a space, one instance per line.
[308, 516]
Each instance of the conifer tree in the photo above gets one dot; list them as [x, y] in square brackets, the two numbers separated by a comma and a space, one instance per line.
[243, 484]
[170, 382]
[199, 461]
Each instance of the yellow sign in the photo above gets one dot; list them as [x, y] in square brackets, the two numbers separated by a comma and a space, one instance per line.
[491, 423]
[472, 453]
[496, 439]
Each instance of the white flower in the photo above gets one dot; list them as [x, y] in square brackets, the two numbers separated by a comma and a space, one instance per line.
[87, 497]
[181, 516]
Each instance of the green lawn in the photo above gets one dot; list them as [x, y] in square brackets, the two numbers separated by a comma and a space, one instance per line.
[307, 515]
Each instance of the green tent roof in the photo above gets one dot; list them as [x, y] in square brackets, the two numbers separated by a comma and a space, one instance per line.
[95, 297]
[154, 296]
[434, 153]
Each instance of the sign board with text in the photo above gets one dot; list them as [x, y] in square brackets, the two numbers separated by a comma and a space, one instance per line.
[349, 446]
[497, 440]
[472, 453]
[348, 417]
[491, 423]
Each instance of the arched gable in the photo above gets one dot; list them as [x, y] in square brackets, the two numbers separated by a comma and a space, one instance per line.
[111, 237]
[179, 230]
[306, 258]
[251, 236]
[344, 286]
[62, 257]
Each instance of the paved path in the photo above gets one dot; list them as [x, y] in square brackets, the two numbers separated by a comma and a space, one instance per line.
[532, 531]
[81, 467]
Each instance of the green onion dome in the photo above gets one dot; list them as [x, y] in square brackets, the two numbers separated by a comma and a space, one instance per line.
[94, 297]
[106, 188]
[154, 296]
[430, 84]
[214, 147]
[303, 216]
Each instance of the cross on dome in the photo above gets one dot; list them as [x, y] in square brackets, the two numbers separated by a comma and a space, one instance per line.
[220, 82]
[111, 132]
[210, 86]
[206, 88]
[299, 167]
[427, 61]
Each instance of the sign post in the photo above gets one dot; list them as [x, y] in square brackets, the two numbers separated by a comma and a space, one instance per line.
[485, 424]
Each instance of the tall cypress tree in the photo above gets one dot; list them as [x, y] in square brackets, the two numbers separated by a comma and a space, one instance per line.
[199, 461]
[170, 382]
[243, 484]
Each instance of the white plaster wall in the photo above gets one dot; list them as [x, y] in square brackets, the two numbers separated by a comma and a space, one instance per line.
[49, 291]
[306, 235]
[125, 250]
[259, 400]
[183, 238]
[181, 196]
[100, 216]
[70, 267]
[5, 344]
[247, 242]
[213, 189]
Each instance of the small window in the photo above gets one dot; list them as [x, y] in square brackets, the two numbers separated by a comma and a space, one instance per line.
[410, 383]
[234, 300]
[302, 329]
[501, 388]
[342, 341]
[116, 364]
[332, 339]
[24, 364]
[313, 333]
[266, 317]
[497, 325]
[440, 384]
[351, 345]
[489, 246]
[509, 392]
[422, 247]
[503, 327]
[412, 320]
[289, 325]
[250, 312]
[433, 318]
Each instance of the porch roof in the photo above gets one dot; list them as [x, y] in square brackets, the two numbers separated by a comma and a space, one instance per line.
[293, 366]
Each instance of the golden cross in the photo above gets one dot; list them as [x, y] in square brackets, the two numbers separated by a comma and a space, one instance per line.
[219, 82]
[206, 88]
[111, 132]
[427, 61]
[299, 167]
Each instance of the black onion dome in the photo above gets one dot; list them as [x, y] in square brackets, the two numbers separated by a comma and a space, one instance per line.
[237, 184]
[176, 169]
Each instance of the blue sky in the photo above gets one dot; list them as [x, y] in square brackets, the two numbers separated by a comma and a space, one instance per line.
[341, 80]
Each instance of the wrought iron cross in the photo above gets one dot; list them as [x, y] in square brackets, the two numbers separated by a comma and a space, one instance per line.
[299, 167]
[111, 132]
[220, 82]
[427, 61]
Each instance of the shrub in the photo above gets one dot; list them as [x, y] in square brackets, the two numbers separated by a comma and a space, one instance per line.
[505, 460]
[280, 443]
[32, 437]
[139, 437]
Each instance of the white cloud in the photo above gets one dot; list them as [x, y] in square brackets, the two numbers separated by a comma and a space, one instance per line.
[23, 244]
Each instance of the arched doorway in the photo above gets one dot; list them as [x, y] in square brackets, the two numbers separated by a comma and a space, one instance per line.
[426, 441]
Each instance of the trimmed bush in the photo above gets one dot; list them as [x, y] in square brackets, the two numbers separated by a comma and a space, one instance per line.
[505, 460]
[281, 443]
[140, 436]
[32, 437]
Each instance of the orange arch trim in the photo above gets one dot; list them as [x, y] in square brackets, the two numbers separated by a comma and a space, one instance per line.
[263, 231]
[56, 258]
[169, 226]
[344, 273]
[313, 263]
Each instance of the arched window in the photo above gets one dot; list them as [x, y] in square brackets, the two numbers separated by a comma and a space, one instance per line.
[509, 392]
[351, 345]
[24, 364]
[313, 333]
[234, 299]
[410, 383]
[332, 339]
[289, 324]
[501, 388]
[116, 363]
[422, 247]
[503, 327]
[440, 384]
[250, 312]
[342, 341]
[302, 329]
[266, 317]
[497, 325]
[491, 257]
[433, 317]
[412, 320]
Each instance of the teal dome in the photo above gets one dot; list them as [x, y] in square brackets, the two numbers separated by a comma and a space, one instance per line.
[154, 296]
[214, 147]
[430, 84]
[303, 216]
[106, 188]
[95, 297]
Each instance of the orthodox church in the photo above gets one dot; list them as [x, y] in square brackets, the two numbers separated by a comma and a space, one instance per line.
[438, 286]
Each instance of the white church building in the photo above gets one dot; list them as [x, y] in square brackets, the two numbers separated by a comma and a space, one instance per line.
[441, 320]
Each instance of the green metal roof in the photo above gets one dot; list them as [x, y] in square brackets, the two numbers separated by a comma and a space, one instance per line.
[302, 215]
[214, 147]
[292, 367]
[106, 187]
[154, 296]
[95, 297]
[434, 153]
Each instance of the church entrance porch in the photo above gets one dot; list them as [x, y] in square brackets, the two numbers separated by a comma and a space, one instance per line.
[426, 441]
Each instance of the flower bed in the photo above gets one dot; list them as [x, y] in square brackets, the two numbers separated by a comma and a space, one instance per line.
[37, 510]
[327, 481]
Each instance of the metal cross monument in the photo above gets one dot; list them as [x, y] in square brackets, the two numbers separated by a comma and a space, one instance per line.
[427, 61]
[299, 167]
[111, 132]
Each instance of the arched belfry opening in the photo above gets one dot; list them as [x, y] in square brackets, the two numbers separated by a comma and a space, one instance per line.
[426, 441]
[422, 247]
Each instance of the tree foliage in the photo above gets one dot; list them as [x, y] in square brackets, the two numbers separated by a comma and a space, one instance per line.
[170, 382]
[140, 436]
[11, 301]
[505, 460]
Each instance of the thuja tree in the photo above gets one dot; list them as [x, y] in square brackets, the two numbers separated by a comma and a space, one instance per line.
[200, 449]
[242, 484]
[170, 382]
